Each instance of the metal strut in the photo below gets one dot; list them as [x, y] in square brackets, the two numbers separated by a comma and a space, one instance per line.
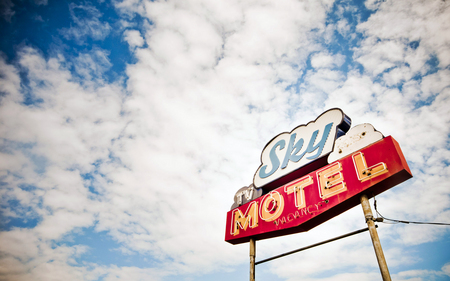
[314, 245]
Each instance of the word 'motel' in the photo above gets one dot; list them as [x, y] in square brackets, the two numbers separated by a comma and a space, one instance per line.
[330, 182]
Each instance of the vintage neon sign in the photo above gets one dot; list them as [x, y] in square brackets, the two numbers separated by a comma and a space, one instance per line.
[305, 144]
[322, 194]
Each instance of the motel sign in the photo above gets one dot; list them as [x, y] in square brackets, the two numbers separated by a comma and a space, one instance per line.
[312, 174]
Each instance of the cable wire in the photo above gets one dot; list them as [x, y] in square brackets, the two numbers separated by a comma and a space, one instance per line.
[402, 221]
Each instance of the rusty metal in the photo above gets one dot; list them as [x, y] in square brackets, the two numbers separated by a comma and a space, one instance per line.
[375, 239]
[252, 258]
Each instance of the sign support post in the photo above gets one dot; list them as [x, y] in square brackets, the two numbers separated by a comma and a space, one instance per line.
[252, 258]
[375, 239]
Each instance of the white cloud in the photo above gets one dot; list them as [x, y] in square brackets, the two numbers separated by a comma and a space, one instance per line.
[238, 70]
[418, 275]
[419, 21]
[70, 129]
[325, 60]
[134, 38]
[9, 81]
[373, 4]
[377, 57]
[6, 10]
[87, 24]
[343, 27]
[446, 269]
[92, 64]
[41, 2]
[207, 92]
[188, 107]
[397, 75]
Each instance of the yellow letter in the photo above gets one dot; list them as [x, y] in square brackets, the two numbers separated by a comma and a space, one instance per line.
[241, 221]
[365, 173]
[298, 187]
[275, 201]
[331, 180]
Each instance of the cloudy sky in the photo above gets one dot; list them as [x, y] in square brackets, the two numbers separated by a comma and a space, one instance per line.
[126, 127]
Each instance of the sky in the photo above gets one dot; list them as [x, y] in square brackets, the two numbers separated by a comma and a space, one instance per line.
[127, 126]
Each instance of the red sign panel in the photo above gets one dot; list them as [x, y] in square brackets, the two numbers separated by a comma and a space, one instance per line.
[321, 195]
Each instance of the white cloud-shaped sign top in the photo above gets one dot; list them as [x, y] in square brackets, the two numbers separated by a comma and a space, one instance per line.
[356, 139]
[288, 152]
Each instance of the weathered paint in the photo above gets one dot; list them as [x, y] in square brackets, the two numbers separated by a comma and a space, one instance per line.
[324, 194]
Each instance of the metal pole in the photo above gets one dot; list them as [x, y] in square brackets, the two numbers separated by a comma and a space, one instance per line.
[313, 245]
[375, 239]
[252, 258]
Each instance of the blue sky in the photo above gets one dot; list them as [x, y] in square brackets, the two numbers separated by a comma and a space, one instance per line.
[127, 126]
